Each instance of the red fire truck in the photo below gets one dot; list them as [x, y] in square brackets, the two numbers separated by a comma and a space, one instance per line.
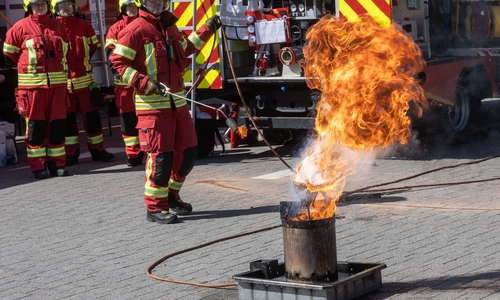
[459, 39]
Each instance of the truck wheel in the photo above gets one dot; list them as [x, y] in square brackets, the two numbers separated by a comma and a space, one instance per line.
[473, 86]
[459, 114]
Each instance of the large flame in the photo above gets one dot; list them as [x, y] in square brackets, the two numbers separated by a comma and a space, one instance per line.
[365, 73]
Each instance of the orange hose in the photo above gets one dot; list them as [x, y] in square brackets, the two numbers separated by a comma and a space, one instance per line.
[148, 271]
[6, 20]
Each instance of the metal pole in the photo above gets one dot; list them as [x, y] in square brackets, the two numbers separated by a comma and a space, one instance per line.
[102, 41]
[193, 67]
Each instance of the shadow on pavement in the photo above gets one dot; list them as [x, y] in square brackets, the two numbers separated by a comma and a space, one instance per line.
[445, 283]
[218, 214]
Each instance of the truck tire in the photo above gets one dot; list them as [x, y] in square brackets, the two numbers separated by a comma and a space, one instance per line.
[459, 114]
[473, 86]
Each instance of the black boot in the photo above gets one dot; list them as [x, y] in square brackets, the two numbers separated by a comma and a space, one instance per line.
[178, 206]
[60, 172]
[103, 155]
[71, 160]
[54, 170]
[135, 161]
[42, 174]
[161, 217]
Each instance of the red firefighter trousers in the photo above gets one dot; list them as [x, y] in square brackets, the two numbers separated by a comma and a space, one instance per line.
[45, 112]
[169, 139]
[91, 123]
[124, 98]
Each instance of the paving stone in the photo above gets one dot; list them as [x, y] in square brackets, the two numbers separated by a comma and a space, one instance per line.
[86, 236]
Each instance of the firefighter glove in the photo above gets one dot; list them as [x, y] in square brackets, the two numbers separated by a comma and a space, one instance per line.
[152, 87]
[213, 23]
[96, 97]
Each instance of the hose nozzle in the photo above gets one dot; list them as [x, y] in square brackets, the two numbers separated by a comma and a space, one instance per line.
[164, 89]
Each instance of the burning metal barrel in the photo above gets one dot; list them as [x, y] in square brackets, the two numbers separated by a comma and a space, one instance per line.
[309, 245]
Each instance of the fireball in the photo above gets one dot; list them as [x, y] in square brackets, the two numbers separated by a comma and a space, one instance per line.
[366, 75]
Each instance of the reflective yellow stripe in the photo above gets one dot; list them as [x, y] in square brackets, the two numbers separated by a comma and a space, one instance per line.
[175, 185]
[131, 141]
[111, 41]
[152, 102]
[196, 40]
[38, 152]
[125, 51]
[157, 192]
[128, 75]
[94, 140]
[7, 48]
[53, 152]
[31, 56]
[150, 60]
[65, 51]
[71, 140]
[119, 82]
[184, 44]
[40, 79]
[86, 45]
[94, 40]
[80, 82]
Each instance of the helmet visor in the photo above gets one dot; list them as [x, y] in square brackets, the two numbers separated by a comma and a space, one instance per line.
[156, 7]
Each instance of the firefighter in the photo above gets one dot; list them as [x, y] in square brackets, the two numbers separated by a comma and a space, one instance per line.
[151, 55]
[124, 94]
[83, 92]
[38, 45]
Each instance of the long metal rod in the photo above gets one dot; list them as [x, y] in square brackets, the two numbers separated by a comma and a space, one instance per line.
[103, 43]
[193, 67]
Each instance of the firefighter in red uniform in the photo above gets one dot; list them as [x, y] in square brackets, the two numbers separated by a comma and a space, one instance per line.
[151, 55]
[124, 94]
[38, 45]
[83, 92]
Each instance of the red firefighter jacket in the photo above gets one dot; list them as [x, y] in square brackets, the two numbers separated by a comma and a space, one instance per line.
[84, 42]
[112, 39]
[38, 45]
[147, 49]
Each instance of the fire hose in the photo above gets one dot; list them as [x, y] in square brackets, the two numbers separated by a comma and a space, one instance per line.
[347, 193]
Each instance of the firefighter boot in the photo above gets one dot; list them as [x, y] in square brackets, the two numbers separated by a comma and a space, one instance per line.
[178, 206]
[42, 174]
[56, 171]
[103, 155]
[72, 159]
[161, 217]
[135, 161]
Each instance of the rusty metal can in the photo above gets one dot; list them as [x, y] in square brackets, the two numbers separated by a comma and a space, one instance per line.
[309, 247]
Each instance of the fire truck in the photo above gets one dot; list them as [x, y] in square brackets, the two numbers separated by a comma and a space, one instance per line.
[254, 58]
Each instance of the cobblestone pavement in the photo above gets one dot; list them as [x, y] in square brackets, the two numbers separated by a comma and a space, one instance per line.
[86, 236]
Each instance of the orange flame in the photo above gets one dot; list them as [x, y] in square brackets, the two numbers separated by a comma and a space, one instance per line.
[242, 131]
[366, 75]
